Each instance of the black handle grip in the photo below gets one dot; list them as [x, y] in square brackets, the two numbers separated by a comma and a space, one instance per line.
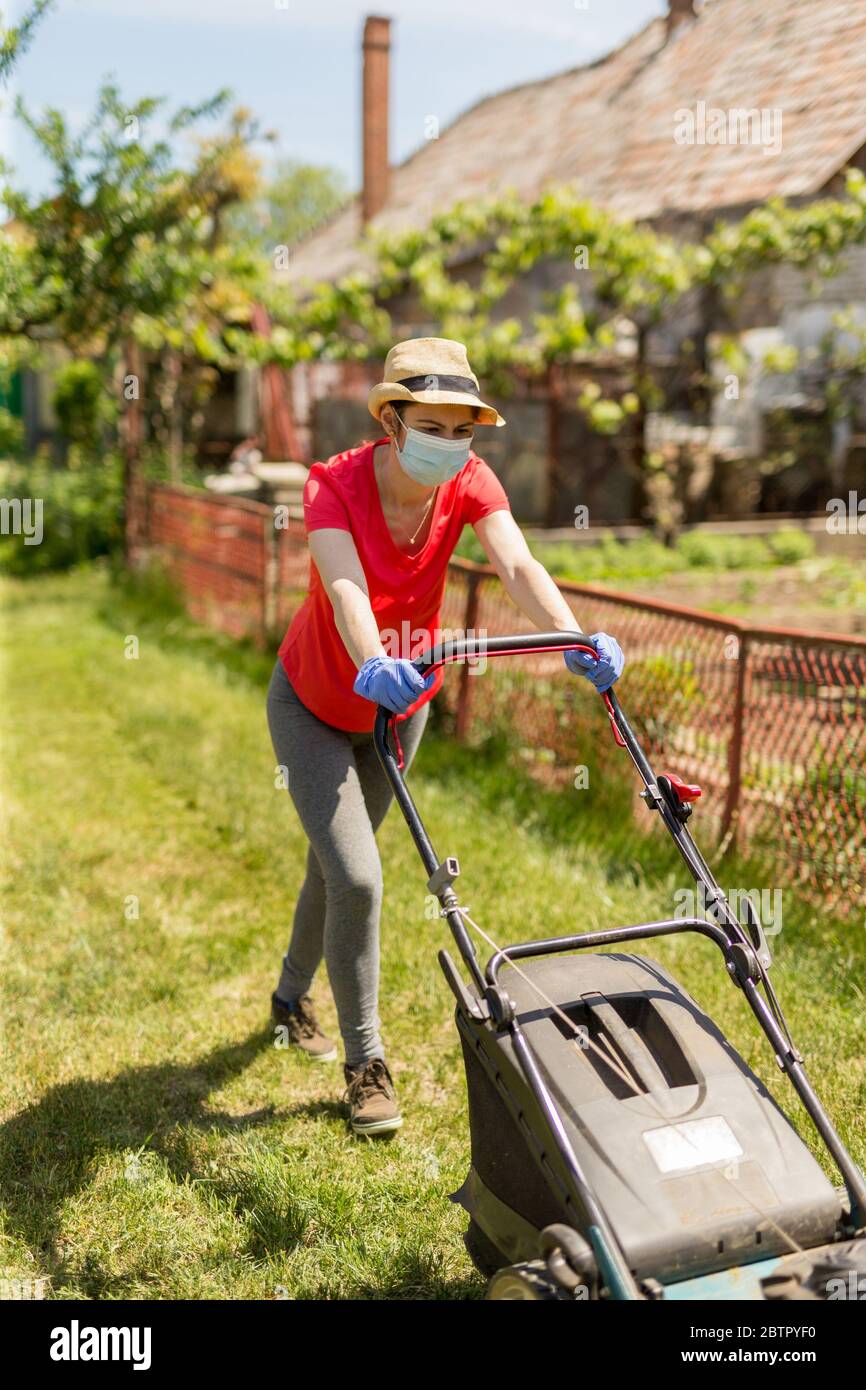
[500, 646]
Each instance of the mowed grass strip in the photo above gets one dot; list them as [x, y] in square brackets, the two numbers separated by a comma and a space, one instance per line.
[153, 1140]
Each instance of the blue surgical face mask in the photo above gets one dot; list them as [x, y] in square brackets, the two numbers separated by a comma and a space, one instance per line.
[431, 460]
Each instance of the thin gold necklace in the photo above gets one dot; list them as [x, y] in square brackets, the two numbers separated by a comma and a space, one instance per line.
[411, 539]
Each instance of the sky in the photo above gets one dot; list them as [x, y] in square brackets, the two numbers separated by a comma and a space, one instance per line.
[297, 63]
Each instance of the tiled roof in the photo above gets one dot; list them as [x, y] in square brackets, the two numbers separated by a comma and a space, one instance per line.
[610, 126]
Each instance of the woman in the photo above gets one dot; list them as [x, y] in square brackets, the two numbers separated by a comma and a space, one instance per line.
[382, 521]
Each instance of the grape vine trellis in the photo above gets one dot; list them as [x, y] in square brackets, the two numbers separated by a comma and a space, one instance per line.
[633, 273]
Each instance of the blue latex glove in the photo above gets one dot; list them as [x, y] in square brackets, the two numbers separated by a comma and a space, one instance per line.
[391, 681]
[604, 671]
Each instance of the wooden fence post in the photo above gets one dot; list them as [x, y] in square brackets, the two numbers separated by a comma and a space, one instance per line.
[133, 431]
[270, 576]
[552, 471]
[731, 814]
[469, 622]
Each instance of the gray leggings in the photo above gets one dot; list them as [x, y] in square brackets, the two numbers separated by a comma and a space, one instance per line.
[341, 794]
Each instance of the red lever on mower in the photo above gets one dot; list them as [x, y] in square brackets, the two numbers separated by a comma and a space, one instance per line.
[683, 791]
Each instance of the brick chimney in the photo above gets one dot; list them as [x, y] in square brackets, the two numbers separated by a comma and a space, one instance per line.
[679, 12]
[377, 50]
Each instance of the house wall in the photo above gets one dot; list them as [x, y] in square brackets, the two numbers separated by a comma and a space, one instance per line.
[778, 305]
[784, 307]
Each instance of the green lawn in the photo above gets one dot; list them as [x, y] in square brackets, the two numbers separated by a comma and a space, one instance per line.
[153, 1141]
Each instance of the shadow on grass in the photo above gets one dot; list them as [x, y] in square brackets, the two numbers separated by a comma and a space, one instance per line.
[47, 1150]
[47, 1153]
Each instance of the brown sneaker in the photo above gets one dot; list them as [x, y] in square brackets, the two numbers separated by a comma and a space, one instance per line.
[372, 1100]
[302, 1028]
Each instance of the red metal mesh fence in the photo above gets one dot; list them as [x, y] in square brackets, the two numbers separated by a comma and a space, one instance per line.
[216, 550]
[292, 573]
[771, 723]
[679, 685]
[803, 761]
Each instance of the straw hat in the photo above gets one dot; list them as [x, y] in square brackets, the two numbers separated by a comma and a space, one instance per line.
[435, 370]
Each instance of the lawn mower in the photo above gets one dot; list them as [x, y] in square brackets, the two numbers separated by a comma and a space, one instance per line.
[621, 1148]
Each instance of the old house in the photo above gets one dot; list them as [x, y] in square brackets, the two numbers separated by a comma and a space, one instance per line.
[706, 112]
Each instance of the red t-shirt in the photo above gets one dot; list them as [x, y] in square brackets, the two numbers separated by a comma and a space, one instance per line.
[405, 590]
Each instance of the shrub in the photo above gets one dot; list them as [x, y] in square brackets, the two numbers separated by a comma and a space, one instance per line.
[81, 514]
[790, 546]
[81, 403]
[699, 551]
[11, 434]
[744, 553]
[614, 562]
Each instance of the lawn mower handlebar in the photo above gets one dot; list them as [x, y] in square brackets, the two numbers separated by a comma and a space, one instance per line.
[443, 652]
[519, 644]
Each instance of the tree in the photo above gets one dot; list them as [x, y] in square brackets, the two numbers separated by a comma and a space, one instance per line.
[14, 41]
[296, 199]
[129, 234]
[130, 251]
[19, 290]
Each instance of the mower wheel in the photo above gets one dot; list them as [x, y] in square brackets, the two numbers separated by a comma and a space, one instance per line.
[530, 1280]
